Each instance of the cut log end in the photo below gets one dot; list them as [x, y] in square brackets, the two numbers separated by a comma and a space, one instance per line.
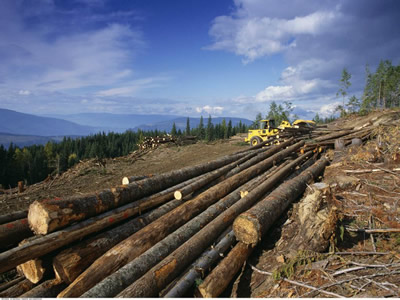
[125, 181]
[243, 194]
[33, 270]
[203, 293]
[38, 218]
[178, 195]
[246, 230]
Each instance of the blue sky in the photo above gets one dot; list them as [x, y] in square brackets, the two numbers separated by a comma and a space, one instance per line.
[189, 57]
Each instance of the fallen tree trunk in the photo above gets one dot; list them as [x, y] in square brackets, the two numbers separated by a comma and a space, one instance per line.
[17, 289]
[127, 180]
[9, 284]
[242, 164]
[208, 259]
[333, 135]
[47, 289]
[13, 232]
[71, 262]
[258, 158]
[119, 280]
[219, 278]
[49, 215]
[251, 225]
[42, 245]
[37, 268]
[22, 214]
[150, 284]
[209, 177]
[139, 242]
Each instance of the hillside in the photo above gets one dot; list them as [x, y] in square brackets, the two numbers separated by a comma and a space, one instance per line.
[13, 122]
[27, 140]
[339, 238]
[114, 122]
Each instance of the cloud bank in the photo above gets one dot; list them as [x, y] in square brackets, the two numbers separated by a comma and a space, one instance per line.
[317, 40]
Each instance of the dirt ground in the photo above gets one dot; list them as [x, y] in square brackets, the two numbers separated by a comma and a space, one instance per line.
[94, 175]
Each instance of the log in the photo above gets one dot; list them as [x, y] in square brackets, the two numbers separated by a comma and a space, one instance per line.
[21, 187]
[49, 215]
[8, 284]
[150, 284]
[208, 259]
[333, 135]
[119, 280]
[71, 262]
[209, 177]
[48, 289]
[42, 245]
[13, 232]
[36, 269]
[251, 225]
[142, 240]
[243, 163]
[220, 277]
[258, 158]
[127, 180]
[22, 214]
[17, 289]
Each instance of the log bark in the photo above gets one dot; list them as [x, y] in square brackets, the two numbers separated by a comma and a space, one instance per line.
[13, 232]
[211, 176]
[42, 245]
[333, 135]
[150, 284]
[47, 289]
[251, 225]
[139, 242]
[119, 280]
[17, 289]
[70, 263]
[49, 215]
[22, 214]
[258, 158]
[9, 284]
[205, 262]
[127, 180]
[219, 278]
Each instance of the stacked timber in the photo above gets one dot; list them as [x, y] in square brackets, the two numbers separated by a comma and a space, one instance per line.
[154, 142]
[134, 240]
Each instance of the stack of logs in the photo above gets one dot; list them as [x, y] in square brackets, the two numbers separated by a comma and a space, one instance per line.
[154, 142]
[157, 235]
[337, 138]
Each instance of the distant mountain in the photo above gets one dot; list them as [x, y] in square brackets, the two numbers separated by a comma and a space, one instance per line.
[180, 123]
[114, 122]
[13, 122]
[27, 140]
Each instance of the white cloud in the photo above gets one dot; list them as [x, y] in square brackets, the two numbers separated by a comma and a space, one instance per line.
[255, 37]
[24, 92]
[132, 87]
[328, 110]
[212, 110]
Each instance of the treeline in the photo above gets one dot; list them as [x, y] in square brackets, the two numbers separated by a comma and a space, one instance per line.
[34, 163]
[210, 131]
[382, 89]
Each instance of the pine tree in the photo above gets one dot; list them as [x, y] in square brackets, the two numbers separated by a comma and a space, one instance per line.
[344, 86]
[187, 131]
[173, 130]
